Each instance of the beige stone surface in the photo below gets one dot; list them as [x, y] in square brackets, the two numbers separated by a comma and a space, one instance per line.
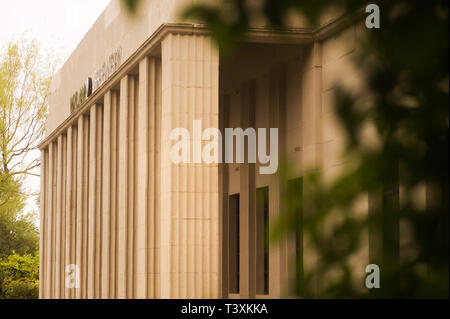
[189, 224]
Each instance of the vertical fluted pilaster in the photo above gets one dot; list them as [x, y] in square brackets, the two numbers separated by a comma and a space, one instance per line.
[147, 144]
[277, 105]
[98, 199]
[81, 188]
[48, 235]
[143, 160]
[57, 223]
[68, 208]
[44, 226]
[92, 200]
[85, 186]
[247, 200]
[224, 207]
[94, 218]
[312, 145]
[41, 223]
[106, 198]
[74, 203]
[312, 111]
[123, 176]
[114, 247]
[189, 192]
[54, 213]
[60, 217]
[131, 181]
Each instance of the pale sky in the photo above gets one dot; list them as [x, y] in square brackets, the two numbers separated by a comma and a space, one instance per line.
[57, 25]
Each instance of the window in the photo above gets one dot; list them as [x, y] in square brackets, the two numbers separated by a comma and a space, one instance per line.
[262, 240]
[233, 258]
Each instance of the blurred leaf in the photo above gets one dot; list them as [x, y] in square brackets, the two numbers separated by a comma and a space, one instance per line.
[131, 5]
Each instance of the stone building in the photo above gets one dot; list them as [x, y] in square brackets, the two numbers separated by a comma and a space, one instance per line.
[136, 225]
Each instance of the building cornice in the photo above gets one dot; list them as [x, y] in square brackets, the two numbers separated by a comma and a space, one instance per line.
[299, 36]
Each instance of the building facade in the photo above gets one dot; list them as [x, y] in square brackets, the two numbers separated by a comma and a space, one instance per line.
[131, 223]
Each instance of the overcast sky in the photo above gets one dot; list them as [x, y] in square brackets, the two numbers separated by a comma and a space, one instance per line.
[57, 25]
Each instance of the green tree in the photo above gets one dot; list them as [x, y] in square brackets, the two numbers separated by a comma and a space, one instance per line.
[10, 196]
[18, 231]
[24, 90]
[19, 276]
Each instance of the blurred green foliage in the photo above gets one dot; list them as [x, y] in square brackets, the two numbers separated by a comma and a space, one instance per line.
[19, 276]
[131, 5]
[19, 243]
[18, 231]
[405, 64]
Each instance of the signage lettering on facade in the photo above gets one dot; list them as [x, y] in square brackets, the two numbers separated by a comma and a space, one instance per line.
[81, 95]
[107, 69]
[100, 76]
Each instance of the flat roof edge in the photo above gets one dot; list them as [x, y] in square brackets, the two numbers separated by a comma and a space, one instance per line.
[300, 36]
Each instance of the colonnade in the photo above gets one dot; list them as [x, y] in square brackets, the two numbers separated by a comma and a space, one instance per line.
[115, 210]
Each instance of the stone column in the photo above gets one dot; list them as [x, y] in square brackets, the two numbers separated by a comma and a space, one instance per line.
[68, 210]
[81, 194]
[59, 222]
[142, 182]
[114, 195]
[98, 199]
[247, 260]
[94, 199]
[224, 242]
[312, 136]
[146, 144]
[43, 223]
[123, 176]
[53, 236]
[189, 192]
[49, 276]
[106, 199]
[278, 270]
